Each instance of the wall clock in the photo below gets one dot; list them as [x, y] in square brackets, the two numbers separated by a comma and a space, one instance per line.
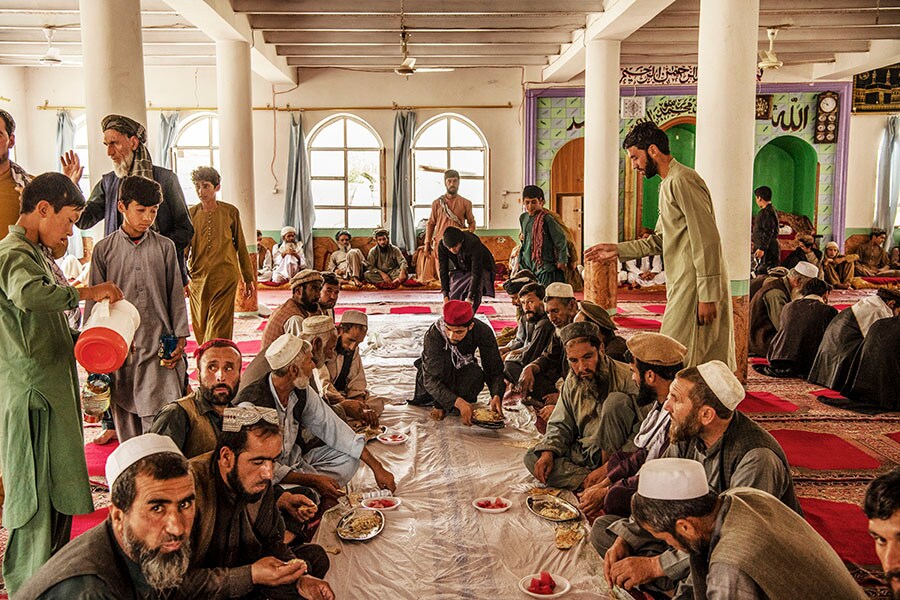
[826, 123]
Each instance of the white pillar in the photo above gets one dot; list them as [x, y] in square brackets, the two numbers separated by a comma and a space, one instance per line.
[234, 97]
[601, 163]
[113, 58]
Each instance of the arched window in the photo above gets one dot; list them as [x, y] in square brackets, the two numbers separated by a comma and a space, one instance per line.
[196, 145]
[449, 141]
[345, 165]
[81, 149]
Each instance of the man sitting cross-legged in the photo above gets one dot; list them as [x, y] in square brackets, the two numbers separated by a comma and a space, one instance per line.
[448, 375]
[766, 305]
[346, 263]
[289, 256]
[319, 450]
[238, 521]
[533, 335]
[597, 413]
[743, 543]
[733, 450]
[654, 360]
[386, 265]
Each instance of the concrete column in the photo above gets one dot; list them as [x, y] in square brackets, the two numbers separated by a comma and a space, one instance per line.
[726, 94]
[113, 55]
[233, 91]
[601, 165]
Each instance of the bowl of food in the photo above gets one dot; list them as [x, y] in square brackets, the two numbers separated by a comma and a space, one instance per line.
[552, 508]
[393, 439]
[360, 525]
[491, 504]
[388, 503]
[487, 418]
[544, 585]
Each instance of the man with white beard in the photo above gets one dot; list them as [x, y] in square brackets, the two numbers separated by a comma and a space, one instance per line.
[319, 449]
[346, 262]
[125, 141]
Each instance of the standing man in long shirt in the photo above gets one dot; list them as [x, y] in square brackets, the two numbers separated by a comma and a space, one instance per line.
[125, 140]
[698, 312]
[449, 210]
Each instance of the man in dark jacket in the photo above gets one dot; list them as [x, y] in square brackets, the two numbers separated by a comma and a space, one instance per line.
[768, 302]
[765, 232]
[466, 267]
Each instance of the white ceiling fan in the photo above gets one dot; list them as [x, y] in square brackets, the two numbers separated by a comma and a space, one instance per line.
[408, 66]
[767, 58]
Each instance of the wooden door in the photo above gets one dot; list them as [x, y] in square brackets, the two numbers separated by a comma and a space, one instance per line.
[569, 208]
[567, 188]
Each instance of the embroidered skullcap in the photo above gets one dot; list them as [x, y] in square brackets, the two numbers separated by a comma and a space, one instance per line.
[380, 231]
[559, 290]
[521, 279]
[656, 349]
[458, 313]
[133, 450]
[125, 126]
[597, 315]
[672, 479]
[306, 276]
[354, 317]
[317, 325]
[284, 350]
[245, 414]
[832, 245]
[722, 382]
[288, 229]
[215, 343]
[807, 269]
[582, 329]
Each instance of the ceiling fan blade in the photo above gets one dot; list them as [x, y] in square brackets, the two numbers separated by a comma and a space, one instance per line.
[434, 69]
[409, 62]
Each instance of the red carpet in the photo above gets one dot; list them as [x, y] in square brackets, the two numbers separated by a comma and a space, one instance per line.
[250, 346]
[895, 436]
[410, 310]
[499, 325]
[338, 310]
[756, 402]
[658, 309]
[822, 451]
[844, 526]
[191, 346]
[96, 457]
[827, 393]
[487, 310]
[81, 523]
[637, 323]
[262, 326]
[842, 306]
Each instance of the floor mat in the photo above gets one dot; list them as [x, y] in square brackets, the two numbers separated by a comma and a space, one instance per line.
[840, 523]
[822, 451]
[96, 456]
[764, 402]
[637, 323]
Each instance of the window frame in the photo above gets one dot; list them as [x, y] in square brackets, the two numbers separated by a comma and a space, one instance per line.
[80, 122]
[191, 198]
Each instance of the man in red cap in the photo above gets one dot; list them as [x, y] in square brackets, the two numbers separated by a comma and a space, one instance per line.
[448, 375]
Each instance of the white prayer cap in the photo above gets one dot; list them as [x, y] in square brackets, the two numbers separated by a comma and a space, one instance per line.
[559, 290]
[722, 382]
[354, 317]
[807, 269]
[133, 450]
[287, 230]
[317, 325]
[832, 245]
[672, 479]
[284, 350]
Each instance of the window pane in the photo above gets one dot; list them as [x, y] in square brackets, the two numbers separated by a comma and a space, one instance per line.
[480, 215]
[421, 213]
[467, 162]
[435, 136]
[428, 187]
[328, 192]
[81, 136]
[462, 134]
[185, 162]
[430, 161]
[473, 189]
[216, 161]
[330, 136]
[215, 131]
[326, 163]
[196, 133]
[364, 177]
[360, 137]
[365, 219]
[329, 218]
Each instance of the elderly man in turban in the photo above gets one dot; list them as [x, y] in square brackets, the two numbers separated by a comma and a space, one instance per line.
[125, 140]
[289, 257]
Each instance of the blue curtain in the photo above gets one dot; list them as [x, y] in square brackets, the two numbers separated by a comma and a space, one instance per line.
[168, 127]
[403, 228]
[299, 209]
[887, 186]
[65, 141]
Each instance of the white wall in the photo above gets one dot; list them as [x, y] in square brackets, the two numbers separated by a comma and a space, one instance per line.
[865, 139]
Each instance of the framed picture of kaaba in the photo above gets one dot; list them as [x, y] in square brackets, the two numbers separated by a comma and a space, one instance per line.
[877, 91]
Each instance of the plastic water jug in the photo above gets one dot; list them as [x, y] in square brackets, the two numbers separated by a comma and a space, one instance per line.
[106, 339]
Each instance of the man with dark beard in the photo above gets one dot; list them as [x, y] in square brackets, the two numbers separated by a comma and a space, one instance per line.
[237, 520]
[125, 140]
[882, 507]
[142, 550]
[195, 421]
[386, 266]
[743, 543]
[328, 297]
[734, 452]
[654, 359]
[597, 413]
[533, 336]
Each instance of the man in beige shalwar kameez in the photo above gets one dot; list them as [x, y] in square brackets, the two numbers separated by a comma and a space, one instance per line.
[698, 310]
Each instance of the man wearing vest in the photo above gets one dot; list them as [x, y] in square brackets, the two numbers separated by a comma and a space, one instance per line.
[767, 304]
[743, 543]
[306, 287]
[734, 452]
[195, 421]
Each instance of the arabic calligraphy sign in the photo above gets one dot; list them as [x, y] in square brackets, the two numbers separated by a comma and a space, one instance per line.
[659, 75]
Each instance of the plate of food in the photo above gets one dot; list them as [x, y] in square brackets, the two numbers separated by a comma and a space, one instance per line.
[568, 534]
[360, 524]
[552, 508]
[491, 504]
[387, 503]
[544, 585]
[487, 418]
[393, 439]
[370, 433]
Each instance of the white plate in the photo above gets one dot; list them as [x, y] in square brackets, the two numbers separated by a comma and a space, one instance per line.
[562, 586]
[385, 438]
[397, 502]
[491, 499]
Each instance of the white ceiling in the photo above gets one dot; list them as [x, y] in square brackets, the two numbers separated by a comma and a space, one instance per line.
[365, 34]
